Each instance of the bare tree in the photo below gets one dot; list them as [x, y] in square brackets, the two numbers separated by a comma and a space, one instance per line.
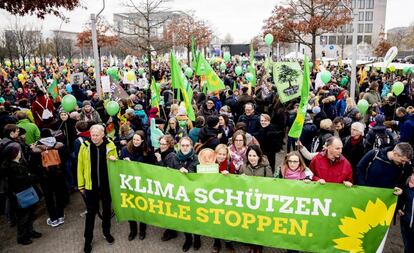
[182, 29]
[11, 45]
[144, 24]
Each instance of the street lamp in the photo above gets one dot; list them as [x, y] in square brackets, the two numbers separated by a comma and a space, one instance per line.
[354, 48]
[95, 51]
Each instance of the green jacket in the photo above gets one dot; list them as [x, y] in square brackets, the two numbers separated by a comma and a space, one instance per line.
[84, 163]
[32, 131]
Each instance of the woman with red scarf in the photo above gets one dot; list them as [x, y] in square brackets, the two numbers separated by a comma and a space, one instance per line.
[354, 146]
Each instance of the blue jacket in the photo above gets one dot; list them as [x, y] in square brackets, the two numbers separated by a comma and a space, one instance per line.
[406, 204]
[407, 129]
[376, 170]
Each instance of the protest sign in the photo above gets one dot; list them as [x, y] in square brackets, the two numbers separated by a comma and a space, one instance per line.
[288, 79]
[272, 212]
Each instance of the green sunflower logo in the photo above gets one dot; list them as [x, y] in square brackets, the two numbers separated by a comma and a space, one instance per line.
[367, 229]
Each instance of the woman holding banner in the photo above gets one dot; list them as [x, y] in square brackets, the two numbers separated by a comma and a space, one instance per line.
[185, 161]
[137, 150]
[256, 165]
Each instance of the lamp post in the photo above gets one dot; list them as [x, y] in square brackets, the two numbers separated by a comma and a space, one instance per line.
[95, 51]
[354, 49]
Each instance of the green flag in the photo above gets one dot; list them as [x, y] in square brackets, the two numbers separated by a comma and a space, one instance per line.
[214, 83]
[234, 85]
[179, 81]
[252, 69]
[53, 89]
[155, 94]
[296, 129]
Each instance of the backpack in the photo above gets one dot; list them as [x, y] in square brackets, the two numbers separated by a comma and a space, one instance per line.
[381, 140]
[50, 158]
[46, 114]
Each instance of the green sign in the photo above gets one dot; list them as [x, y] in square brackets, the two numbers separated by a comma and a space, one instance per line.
[264, 211]
[288, 79]
[207, 168]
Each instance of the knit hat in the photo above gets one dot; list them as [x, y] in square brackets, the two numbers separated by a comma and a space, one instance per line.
[138, 107]
[129, 111]
[379, 119]
[316, 110]
[359, 126]
[86, 102]
[212, 121]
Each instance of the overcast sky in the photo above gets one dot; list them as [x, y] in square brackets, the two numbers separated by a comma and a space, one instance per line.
[243, 19]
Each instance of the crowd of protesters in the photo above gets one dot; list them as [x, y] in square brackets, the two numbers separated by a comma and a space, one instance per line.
[59, 153]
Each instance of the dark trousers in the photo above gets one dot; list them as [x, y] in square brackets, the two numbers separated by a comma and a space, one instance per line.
[55, 193]
[92, 199]
[291, 144]
[189, 237]
[133, 227]
[407, 236]
[24, 220]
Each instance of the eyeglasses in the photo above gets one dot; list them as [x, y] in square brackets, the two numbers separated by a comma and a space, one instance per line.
[238, 140]
[292, 161]
[185, 145]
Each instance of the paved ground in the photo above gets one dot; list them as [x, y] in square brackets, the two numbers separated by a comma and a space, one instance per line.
[69, 237]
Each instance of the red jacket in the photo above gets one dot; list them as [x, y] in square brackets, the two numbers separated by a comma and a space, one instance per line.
[333, 172]
[225, 165]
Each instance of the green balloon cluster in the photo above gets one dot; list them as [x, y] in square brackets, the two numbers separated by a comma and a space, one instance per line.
[113, 73]
[362, 106]
[397, 88]
[68, 103]
[326, 76]
[238, 70]
[112, 108]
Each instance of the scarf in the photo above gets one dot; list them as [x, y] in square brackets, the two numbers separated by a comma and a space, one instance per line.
[181, 157]
[292, 174]
[238, 157]
[355, 142]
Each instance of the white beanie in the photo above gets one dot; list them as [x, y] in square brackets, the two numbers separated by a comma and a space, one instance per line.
[359, 126]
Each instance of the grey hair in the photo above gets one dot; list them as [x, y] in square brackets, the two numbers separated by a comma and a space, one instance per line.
[331, 139]
[98, 127]
[404, 149]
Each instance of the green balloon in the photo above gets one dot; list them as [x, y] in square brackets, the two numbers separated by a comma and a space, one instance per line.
[397, 88]
[326, 76]
[249, 77]
[141, 71]
[112, 108]
[27, 68]
[310, 65]
[189, 72]
[68, 103]
[64, 71]
[269, 39]
[113, 72]
[223, 66]
[2, 100]
[27, 62]
[238, 70]
[344, 81]
[406, 70]
[362, 106]
[226, 56]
